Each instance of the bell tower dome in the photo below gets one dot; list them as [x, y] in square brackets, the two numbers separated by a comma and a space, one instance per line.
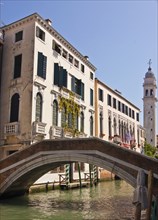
[149, 102]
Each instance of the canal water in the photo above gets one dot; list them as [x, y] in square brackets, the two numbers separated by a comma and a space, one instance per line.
[109, 200]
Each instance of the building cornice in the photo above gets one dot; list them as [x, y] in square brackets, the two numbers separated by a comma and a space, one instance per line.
[37, 18]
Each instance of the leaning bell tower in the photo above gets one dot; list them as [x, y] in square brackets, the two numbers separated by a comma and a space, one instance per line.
[149, 102]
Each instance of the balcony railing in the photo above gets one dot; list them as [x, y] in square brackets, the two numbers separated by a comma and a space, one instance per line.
[59, 132]
[11, 128]
[39, 128]
[56, 132]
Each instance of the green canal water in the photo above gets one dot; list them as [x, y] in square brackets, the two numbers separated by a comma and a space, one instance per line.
[110, 200]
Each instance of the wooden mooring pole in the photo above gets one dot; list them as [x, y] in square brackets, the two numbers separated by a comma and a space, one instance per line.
[150, 191]
[138, 212]
[79, 173]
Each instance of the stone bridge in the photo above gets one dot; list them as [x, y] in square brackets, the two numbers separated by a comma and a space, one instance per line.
[21, 169]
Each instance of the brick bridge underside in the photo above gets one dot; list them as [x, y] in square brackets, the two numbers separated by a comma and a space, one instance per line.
[21, 169]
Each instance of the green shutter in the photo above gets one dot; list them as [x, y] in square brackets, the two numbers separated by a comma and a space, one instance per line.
[73, 84]
[17, 66]
[82, 91]
[64, 78]
[60, 76]
[56, 74]
[44, 67]
[91, 97]
[78, 87]
[40, 64]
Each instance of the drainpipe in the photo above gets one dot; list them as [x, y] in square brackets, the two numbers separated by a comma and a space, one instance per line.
[96, 107]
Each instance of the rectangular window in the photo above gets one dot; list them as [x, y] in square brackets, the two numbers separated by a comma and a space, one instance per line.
[41, 65]
[119, 105]
[60, 76]
[137, 116]
[70, 58]
[91, 75]
[123, 108]
[133, 114]
[76, 85]
[40, 33]
[126, 110]
[109, 99]
[17, 66]
[64, 54]
[82, 68]
[100, 93]
[91, 97]
[130, 112]
[76, 63]
[114, 103]
[56, 47]
[18, 36]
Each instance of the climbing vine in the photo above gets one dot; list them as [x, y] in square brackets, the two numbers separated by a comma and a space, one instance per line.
[71, 108]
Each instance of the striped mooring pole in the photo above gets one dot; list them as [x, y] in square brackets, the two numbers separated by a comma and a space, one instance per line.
[67, 172]
[95, 175]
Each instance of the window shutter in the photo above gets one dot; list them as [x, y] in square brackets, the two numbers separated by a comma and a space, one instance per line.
[37, 31]
[73, 84]
[44, 67]
[17, 66]
[60, 76]
[53, 44]
[40, 64]
[64, 78]
[82, 91]
[43, 36]
[91, 97]
[78, 87]
[56, 74]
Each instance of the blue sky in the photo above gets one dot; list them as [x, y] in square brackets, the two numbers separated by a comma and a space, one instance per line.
[118, 36]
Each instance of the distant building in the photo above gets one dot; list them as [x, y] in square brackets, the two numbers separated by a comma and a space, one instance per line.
[116, 118]
[149, 101]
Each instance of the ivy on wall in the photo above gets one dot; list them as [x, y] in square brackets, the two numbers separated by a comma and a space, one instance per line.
[71, 108]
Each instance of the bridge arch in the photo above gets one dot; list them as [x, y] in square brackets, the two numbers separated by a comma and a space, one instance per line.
[45, 162]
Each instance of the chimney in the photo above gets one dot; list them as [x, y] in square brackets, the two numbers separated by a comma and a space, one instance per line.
[48, 21]
[86, 57]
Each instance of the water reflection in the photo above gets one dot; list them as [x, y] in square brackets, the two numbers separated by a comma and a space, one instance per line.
[109, 201]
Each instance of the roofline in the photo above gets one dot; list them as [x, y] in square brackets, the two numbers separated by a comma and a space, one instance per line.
[56, 34]
[113, 91]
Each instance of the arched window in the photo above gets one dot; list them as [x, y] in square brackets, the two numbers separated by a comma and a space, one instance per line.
[39, 107]
[101, 123]
[14, 111]
[115, 126]
[63, 116]
[82, 122]
[151, 92]
[146, 92]
[109, 123]
[91, 126]
[55, 113]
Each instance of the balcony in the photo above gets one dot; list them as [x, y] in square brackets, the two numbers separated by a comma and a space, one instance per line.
[39, 128]
[11, 128]
[70, 95]
[56, 132]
